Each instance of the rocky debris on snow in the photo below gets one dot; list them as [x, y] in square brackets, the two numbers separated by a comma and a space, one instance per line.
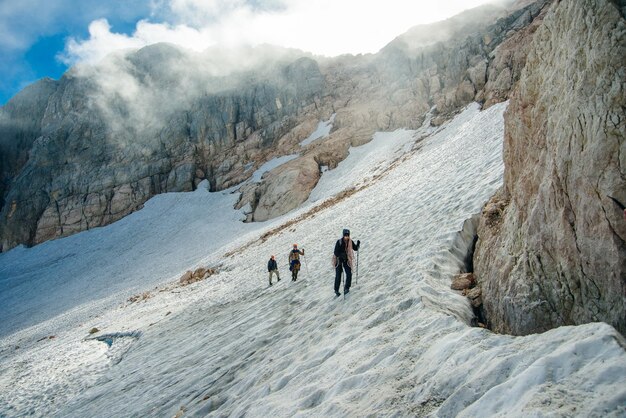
[180, 412]
[140, 297]
[186, 277]
[474, 295]
[556, 255]
[466, 283]
[197, 275]
[94, 330]
[463, 281]
[51, 337]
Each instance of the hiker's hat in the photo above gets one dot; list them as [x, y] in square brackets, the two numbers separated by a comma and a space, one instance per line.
[346, 232]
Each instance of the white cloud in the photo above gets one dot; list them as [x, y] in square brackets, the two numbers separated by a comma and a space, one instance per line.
[100, 43]
[325, 27]
[201, 12]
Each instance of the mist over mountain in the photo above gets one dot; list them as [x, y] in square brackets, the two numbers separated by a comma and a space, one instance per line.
[105, 138]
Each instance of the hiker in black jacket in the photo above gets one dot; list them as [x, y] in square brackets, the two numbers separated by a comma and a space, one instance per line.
[272, 267]
[343, 257]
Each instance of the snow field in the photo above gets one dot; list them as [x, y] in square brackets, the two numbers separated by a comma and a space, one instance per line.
[400, 345]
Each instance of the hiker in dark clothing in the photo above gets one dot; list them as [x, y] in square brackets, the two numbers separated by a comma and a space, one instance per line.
[272, 268]
[294, 261]
[343, 257]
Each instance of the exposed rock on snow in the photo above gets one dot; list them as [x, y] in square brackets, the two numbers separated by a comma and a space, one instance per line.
[286, 187]
[475, 296]
[199, 274]
[556, 253]
[463, 281]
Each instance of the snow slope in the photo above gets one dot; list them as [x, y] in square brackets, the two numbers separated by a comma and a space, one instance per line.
[400, 345]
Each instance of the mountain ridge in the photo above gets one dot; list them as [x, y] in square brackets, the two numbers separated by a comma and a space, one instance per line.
[184, 137]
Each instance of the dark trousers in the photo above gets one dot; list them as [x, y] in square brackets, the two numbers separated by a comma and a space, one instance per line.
[348, 270]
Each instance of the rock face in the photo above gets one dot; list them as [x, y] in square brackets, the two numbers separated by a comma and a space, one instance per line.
[443, 66]
[20, 124]
[93, 147]
[552, 244]
[99, 155]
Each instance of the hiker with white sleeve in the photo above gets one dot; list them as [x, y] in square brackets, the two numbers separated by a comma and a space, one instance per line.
[343, 259]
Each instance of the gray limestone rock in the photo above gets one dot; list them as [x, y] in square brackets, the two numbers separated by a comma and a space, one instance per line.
[99, 155]
[552, 244]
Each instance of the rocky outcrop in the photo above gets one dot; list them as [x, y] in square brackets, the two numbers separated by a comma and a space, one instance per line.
[552, 244]
[101, 155]
[20, 124]
[476, 56]
[479, 58]
[104, 139]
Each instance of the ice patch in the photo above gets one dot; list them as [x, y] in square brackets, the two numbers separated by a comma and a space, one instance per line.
[323, 130]
[270, 165]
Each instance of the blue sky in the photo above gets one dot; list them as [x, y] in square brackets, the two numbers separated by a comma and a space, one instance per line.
[34, 32]
[42, 38]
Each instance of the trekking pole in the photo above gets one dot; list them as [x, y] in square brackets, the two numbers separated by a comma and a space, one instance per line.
[357, 266]
[306, 267]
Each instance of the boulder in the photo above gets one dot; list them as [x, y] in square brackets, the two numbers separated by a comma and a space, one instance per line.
[286, 187]
[463, 281]
[199, 273]
[186, 277]
[475, 296]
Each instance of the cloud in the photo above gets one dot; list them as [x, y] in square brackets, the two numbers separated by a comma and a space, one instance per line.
[101, 43]
[323, 27]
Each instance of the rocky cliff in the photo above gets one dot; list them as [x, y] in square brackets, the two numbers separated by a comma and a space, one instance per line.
[552, 243]
[113, 136]
[104, 139]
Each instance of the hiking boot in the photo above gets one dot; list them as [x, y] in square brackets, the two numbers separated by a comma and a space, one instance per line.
[346, 291]
[337, 294]
[270, 283]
